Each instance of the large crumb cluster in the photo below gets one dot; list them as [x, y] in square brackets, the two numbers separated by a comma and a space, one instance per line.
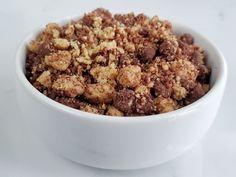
[118, 65]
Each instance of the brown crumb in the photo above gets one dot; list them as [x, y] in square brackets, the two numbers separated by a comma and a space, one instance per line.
[196, 93]
[147, 54]
[187, 38]
[144, 104]
[124, 100]
[160, 89]
[168, 47]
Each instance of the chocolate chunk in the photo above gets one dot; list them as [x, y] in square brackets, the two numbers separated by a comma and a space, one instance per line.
[188, 84]
[144, 32]
[147, 54]
[82, 34]
[124, 100]
[161, 89]
[144, 104]
[71, 102]
[87, 20]
[197, 58]
[204, 74]
[140, 18]
[46, 48]
[187, 38]
[168, 47]
[197, 92]
[127, 19]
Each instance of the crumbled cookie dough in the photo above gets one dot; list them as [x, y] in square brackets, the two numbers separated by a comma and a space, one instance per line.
[165, 104]
[117, 65]
[70, 86]
[124, 100]
[99, 93]
[105, 74]
[59, 61]
[45, 79]
[61, 43]
[112, 111]
[129, 76]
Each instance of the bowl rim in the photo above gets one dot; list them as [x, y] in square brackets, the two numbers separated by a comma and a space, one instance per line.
[33, 92]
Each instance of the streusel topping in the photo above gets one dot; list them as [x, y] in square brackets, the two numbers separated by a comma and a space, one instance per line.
[117, 65]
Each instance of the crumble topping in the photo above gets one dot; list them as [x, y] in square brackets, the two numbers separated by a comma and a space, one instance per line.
[118, 65]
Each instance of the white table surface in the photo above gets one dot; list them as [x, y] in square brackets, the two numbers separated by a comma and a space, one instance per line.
[22, 155]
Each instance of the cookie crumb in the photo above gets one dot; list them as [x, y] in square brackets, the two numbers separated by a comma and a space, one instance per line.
[71, 86]
[112, 111]
[59, 61]
[129, 76]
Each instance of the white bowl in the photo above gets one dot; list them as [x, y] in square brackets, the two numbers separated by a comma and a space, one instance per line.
[120, 143]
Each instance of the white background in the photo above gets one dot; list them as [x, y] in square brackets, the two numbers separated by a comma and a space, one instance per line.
[22, 155]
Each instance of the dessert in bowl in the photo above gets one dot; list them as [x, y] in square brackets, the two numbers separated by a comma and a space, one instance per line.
[119, 92]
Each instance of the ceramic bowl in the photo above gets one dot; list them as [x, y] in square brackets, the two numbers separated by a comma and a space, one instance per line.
[120, 143]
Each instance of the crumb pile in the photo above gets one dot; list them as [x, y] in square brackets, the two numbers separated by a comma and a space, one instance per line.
[119, 65]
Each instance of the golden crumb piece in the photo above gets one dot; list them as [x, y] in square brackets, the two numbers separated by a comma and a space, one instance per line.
[70, 30]
[51, 31]
[76, 50]
[142, 89]
[70, 85]
[74, 45]
[89, 108]
[130, 47]
[78, 25]
[109, 45]
[165, 67]
[76, 53]
[106, 33]
[105, 74]
[61, 43]
[184, 69]
[165, 104]
[179, 92]
[34, 46]
[59, 61]
[100, 59]
[97, 21]
[112, 111]
[105, 45]
[84, 56]
[206, 87]
[121, 29]
[153, 68]
[84, 60]
[99, 93]
[129, 76]
[45, 79]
